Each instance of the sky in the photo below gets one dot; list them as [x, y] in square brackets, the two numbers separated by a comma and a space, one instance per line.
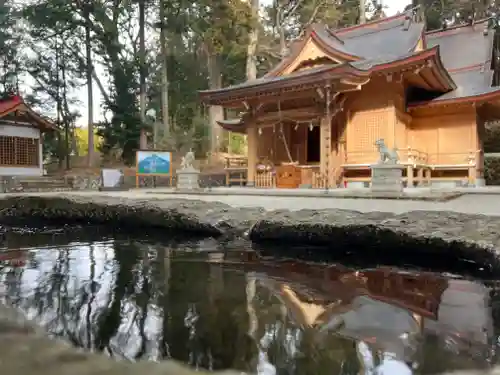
[391, 7]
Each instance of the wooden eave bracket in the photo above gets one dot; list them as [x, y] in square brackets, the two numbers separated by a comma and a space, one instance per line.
[433, 63]
[358, 84]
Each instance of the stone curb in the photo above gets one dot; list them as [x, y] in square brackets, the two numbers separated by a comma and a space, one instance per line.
[442, 236]
[322, 194]
[439, 235]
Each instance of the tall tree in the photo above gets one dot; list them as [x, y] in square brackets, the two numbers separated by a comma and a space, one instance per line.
[90, 93]
[142, 71]
[164, 69]
[11, 55]
[221, 27]
[253, 39]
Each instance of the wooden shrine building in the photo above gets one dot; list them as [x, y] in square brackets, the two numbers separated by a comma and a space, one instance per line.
[313, 119]
[21, 131]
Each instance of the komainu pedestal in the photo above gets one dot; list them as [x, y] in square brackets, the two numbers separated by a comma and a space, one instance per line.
[387, 173]
[387, 178]
[188, 179]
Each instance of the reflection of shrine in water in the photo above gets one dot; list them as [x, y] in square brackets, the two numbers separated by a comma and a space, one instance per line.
[388, 311]
[151, 301]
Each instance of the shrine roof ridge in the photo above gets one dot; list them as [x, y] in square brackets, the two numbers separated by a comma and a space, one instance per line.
[444, 30]
[476, 38]
[395, 35]
[370, 24]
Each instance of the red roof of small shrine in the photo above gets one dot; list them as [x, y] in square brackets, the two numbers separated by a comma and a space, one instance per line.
[16, 104]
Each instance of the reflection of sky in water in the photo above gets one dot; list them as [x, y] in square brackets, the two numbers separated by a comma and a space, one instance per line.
[71, 289]
[79, 268]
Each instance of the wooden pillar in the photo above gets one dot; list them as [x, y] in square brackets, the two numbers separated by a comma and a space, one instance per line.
[392, 120]
[480, 168]
[252, 139]
[325, 149]
[473, 167]
[420, 176]
[472, 175]
[409, 176]
[427, 175]
[481, 133]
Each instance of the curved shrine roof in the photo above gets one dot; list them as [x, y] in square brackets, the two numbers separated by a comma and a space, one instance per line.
[461, 55]
[318, 75]
[393, 36]
[464, 45]
[466, 52]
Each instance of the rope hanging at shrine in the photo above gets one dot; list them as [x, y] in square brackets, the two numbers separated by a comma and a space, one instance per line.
[296, 122]
[283, 138]
[310, 122]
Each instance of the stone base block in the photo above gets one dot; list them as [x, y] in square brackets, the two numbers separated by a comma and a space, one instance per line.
[188, 179]
[387, 178]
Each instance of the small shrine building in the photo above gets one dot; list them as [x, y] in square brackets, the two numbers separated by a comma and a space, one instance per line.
[313, 119]
[21, 142]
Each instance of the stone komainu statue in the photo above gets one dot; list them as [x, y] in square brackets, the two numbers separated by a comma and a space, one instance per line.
[188, 160]
[386, 156]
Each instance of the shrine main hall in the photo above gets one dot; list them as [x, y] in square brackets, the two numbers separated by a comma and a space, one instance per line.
[313, 120]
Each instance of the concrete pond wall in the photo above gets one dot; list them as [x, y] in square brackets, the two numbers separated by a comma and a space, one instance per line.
[440, 236]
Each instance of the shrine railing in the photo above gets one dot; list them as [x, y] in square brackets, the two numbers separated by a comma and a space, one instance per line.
[406, 156]
[318, 180]
[453, 158]
[265, 179]
[416, 158]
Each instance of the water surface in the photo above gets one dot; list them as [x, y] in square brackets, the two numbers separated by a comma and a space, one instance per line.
[188, 301]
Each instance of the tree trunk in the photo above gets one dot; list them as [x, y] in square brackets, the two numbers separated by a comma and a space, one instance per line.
[164, 72]
[216, 113]
[281, 29]
[362, 11]
[60, 140]
[253, 37]
[142, 73]
[66, 116]
[90, 95]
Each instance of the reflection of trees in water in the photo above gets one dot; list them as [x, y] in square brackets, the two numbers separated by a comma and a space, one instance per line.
[142, 304]
[207, 326]
[9, 278]
[52, 300]
[136, 305]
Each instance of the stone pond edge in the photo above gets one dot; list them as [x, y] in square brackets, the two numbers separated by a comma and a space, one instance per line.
[306, 227]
